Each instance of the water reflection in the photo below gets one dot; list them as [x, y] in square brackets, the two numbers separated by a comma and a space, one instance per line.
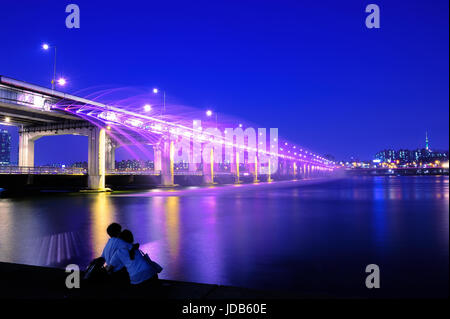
[6, 215]
[173, 226]
[316, 237]
[103, 214]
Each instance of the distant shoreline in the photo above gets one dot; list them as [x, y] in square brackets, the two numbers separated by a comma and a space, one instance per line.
[397, 172]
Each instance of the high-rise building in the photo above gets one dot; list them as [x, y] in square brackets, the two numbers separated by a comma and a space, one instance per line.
[386, 155]
[5, 147]
[426, 142]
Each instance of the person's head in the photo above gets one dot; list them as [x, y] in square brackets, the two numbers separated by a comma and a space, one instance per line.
[114, 230]
[127, 236]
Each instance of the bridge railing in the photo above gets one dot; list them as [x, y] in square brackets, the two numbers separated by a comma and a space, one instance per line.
[190, 173]
[42, 170]
[132, 172]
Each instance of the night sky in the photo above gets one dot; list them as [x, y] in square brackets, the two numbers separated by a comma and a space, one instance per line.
[310, 68]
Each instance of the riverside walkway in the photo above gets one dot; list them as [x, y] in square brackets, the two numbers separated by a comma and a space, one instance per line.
[32, 282]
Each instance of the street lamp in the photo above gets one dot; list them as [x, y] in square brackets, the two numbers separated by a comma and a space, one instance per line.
[156, 91]
[46, 47]
[147, 107]
[209, 113]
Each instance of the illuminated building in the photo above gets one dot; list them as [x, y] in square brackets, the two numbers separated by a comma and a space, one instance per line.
[5, 147]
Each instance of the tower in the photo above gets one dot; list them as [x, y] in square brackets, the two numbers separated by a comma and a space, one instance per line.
[426, 141]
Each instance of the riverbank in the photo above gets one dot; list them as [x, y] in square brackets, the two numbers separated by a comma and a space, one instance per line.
[33, 282]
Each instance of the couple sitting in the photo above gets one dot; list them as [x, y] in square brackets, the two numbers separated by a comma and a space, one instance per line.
[125, 262]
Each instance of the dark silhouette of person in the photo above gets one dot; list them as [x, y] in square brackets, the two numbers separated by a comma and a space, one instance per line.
[119, 274]
[140, 270]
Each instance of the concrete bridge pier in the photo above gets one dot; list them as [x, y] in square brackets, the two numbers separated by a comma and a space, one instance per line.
[110, 154]
[97, 159]
[166, 159]
[235, 167]
[290, 169]
[26, 149]
[208, 169]
[305, 171]
[294, 170]
[254, 169]
[157, 158]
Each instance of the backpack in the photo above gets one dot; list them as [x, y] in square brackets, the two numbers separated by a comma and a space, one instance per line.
[155, 266]
[95, 272]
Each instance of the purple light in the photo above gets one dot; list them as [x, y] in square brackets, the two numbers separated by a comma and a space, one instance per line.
[147, 126]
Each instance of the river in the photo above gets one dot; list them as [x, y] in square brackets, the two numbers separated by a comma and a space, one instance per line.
[285, 236]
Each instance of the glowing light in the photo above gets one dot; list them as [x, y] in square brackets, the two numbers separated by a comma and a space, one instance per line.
[45, 46]
[108, 127]
[147, 107]
[62, 81]
[208, 113]
[134, 122]
[240, 125]
[7, 119]
[155, 90]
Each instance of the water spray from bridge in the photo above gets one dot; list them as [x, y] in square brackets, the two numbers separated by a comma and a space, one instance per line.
[182, 141]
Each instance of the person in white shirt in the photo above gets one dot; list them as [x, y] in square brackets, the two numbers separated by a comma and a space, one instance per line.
[119, 274]
[140, 271]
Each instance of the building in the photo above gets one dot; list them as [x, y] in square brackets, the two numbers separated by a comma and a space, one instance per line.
[5, 147]
[412, 157]
[387, 156]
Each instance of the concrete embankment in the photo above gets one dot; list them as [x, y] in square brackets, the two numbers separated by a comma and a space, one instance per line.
[33, 282]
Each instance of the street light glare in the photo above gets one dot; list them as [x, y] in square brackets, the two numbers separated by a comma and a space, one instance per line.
[45, 46]
[62, 81]
[7, 119]
[155, 90]
[208, 113]
[147, 107]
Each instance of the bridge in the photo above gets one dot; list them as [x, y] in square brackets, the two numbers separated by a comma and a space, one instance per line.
[203, 151]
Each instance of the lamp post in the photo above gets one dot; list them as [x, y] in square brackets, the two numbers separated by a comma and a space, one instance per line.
[156, 91]
[209, 113]
[46, 47]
